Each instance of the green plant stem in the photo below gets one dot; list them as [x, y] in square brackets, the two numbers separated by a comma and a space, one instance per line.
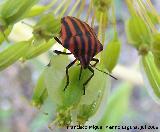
[89, 10]
[100, 26]
[81, 8]
[93, 18]
[51, 4]
[114, 20]
[67, 4]
[130, 7]
[103, 29]
[59, 7]
[143, 13]
[73, 8]
[153, 10]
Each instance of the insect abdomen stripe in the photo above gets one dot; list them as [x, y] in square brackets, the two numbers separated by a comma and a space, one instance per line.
[82, 48]
[68, 33]
[95, 46]
[89, 47]
[89, 33]
[86, 27]
[92, 46]
[77, 28]
[79, 45]
[75, 47]
[64, 32]
[83, 30]
[71, 26]
[88, 44]
[67, 28]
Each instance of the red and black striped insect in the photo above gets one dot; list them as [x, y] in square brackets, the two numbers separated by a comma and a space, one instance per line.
[80, 39]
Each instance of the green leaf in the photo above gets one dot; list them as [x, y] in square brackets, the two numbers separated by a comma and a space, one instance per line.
[12, 54]
[117, 105]
[40, 93]
[37, 49]
[153, 75]
[111, 54]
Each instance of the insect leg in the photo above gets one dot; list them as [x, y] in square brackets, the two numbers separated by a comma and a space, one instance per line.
[60, 52]
[84, 84]
[67, 68]
[57, 39]
[96, 61]
[80, 73]
[49, 64]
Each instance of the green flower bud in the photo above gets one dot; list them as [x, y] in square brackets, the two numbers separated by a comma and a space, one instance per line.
[2, 22]
[47, 27]
[4, 32]
[40, 92]
[85, 111]
[153, 76]
[111, 54]
[137, 32]
[156, 44]
[12, 10]
[156, 49]
[143, 49]
[63, 118]
[12, 54]
[157, 61]
[37, 48]
[102, 5]
[104, 18]
[153, 17]
[36, 10]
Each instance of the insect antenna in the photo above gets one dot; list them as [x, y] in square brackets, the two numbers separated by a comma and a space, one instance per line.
[105, 73]
[27, 24]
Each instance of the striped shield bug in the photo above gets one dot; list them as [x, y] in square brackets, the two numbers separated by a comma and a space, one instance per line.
[81, 40]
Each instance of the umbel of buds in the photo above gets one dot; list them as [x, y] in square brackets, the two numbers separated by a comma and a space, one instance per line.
[71, 104]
